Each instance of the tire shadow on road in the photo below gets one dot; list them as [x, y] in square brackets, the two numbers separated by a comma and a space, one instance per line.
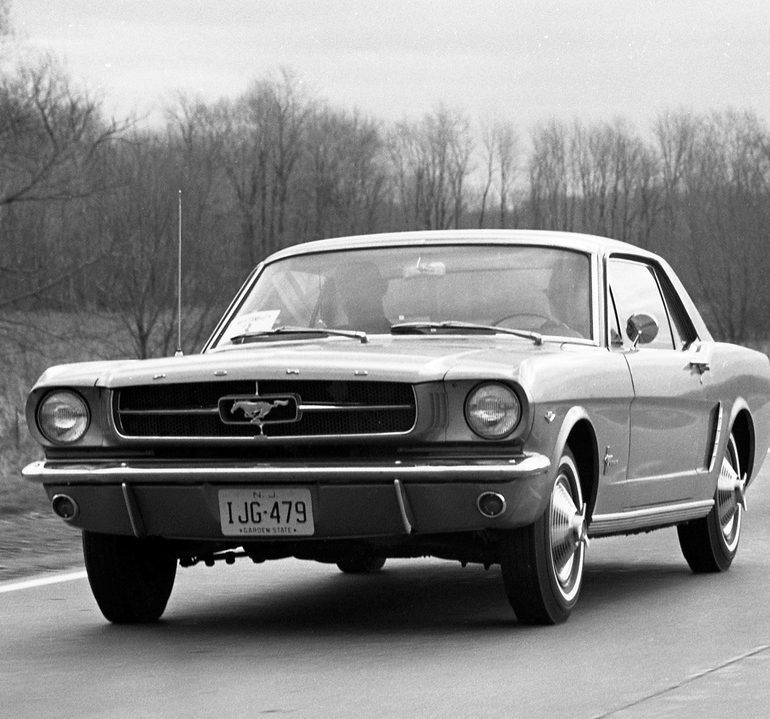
[418, 597]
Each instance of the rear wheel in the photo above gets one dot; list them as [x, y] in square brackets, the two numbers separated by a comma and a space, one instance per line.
[710, 544]
[542, 564]
[131, 579]
[361, 565]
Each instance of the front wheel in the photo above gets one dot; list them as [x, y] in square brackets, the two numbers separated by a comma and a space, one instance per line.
[542, 564]
[131, 579]
[709, 544]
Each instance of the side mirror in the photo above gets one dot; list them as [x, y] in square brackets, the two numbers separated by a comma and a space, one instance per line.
[641, 329]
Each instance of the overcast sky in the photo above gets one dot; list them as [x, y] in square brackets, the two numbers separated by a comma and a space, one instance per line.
[522, 60]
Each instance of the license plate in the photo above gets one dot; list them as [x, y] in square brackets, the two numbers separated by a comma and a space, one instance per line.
[286, 512]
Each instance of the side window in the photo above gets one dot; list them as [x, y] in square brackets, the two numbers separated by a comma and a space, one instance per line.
[634, 289]
[681, 324]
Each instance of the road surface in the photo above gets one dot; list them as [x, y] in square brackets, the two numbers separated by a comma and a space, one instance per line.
[425, 638]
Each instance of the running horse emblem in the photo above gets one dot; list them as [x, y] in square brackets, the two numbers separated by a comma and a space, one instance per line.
[256, 411]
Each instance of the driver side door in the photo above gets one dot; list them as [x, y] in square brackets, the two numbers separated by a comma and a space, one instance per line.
[670, 415]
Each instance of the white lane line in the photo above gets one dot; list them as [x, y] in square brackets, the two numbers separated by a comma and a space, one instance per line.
[41, 581]
[688, 680]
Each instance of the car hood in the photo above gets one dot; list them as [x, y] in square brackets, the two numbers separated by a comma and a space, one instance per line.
[395, 359]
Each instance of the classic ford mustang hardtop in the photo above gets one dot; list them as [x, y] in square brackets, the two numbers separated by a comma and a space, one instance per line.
[484, 396]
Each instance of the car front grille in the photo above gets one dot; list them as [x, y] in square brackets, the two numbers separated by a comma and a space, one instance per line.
[327, 409]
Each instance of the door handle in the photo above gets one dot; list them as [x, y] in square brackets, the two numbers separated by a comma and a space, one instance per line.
[702, 365]
[700, 359]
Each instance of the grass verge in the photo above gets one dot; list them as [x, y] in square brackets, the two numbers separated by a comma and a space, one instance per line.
[33, 542]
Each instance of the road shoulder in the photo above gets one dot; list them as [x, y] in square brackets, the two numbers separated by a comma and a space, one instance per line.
[35, 542]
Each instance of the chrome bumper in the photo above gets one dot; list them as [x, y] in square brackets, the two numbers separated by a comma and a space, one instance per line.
[108, 472]
[180, 501]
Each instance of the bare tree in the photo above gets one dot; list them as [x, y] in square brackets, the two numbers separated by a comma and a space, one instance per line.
[553, 193]
[343, 173]
[612, 166]
[676, 134]
[88, 209]
[49, 135]
[139, 224]
[263, 135]
[52, 142]
[725, 211]
[431, 163]
[499, 146]
[212, 264]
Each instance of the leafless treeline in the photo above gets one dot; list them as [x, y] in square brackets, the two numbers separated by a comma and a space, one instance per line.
[88, 208]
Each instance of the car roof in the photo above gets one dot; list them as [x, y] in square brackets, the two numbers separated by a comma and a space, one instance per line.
[592, 244]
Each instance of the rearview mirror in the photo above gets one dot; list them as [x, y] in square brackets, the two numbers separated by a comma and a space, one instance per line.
[424, 269]
[641, 328]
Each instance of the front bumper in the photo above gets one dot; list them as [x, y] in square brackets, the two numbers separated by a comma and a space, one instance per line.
[355, 500]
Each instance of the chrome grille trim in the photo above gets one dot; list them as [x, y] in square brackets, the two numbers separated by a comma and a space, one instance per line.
[170, 412]
[352, 407]
[189, 411]
[302, 407]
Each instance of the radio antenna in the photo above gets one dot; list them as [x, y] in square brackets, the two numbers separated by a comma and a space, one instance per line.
[179, 352]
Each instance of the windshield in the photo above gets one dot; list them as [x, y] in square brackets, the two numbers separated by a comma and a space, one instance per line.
[519, 287]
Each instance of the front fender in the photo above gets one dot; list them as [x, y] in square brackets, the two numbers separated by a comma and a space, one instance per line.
[575, 428]
[573, 416]
[577, 431]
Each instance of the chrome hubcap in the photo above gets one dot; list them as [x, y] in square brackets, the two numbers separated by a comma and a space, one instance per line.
[569, 535]
[730, 498]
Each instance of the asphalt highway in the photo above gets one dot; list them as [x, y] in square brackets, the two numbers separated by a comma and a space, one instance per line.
[424, 638]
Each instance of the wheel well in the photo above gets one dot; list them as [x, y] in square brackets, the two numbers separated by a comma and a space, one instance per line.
[582, 444]
[743, 431]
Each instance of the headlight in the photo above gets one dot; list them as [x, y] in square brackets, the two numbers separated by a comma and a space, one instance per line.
[492, 410]
[63, 417]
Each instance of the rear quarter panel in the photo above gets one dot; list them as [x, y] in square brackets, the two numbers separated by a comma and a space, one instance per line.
[740, 379]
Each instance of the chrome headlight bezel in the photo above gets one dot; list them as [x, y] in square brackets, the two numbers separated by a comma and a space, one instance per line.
[493, 410]
[63, 417]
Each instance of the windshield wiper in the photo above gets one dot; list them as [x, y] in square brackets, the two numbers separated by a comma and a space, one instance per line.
[428, 327]
[302, 331]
